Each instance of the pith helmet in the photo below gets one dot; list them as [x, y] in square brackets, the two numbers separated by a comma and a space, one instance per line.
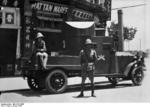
[39, 35]
[88, 42]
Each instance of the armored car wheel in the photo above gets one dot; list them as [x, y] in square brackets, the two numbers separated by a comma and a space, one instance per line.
[137, 76]
[34, 84]
[114, 81]
[56, 81]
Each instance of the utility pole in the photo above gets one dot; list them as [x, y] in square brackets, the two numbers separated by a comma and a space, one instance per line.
[120, 30]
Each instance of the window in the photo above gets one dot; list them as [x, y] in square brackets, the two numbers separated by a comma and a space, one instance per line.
[99, 2]
[1, 17]
[90, 1]
[10, 3]
[49, 24]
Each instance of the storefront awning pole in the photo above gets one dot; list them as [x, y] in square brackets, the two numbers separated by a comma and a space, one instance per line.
[18, 53]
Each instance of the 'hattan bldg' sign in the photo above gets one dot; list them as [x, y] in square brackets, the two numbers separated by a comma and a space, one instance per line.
[62, 10]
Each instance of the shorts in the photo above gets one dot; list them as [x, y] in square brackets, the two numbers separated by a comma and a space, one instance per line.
[87, 73]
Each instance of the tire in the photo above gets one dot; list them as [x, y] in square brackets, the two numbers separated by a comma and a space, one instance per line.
[56, 82]
[34, 84]
[114, 81]
[137, 76]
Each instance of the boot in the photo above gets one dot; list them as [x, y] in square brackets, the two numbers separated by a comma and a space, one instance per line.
[93, 95]
[82, 90]
[80, 95]
[92, 91]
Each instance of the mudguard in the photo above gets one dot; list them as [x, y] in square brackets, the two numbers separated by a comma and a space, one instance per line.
[128, 68]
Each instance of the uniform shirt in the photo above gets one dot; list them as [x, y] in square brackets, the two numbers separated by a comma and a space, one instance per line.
[88, 56]
[39, 46]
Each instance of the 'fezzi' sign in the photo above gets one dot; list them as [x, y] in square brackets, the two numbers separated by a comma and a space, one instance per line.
[61, 9]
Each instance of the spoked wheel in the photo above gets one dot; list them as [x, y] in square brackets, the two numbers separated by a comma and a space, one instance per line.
[137, 76]
[34, 84]
[114, 81]
[56, 81]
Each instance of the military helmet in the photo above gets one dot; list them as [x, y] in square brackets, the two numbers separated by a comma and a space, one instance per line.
[39, 35]
[88, 42]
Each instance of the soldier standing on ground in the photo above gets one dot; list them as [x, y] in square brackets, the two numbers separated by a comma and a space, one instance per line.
[88, 57]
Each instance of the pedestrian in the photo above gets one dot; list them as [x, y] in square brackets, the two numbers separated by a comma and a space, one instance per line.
[39, 50]
[88, 58]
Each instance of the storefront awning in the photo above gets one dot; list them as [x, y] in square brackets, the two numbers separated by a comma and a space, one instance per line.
[80, 25]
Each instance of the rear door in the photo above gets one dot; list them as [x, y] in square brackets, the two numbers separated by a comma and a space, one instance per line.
[107, 60]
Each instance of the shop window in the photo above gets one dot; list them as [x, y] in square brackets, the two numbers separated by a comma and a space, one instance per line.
[49, 24]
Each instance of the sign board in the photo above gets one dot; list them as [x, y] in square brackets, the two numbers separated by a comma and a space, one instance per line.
[10, 18]
[27, 36]
[61, 10]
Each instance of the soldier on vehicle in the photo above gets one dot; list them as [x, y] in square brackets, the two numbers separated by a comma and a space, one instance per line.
[39, 49]
[88, 58]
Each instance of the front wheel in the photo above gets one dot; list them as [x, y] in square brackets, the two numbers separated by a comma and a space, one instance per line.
[56, 81]
[137, 76]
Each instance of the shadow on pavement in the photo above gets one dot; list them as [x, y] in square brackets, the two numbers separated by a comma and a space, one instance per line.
[81, 97]
[70, 89]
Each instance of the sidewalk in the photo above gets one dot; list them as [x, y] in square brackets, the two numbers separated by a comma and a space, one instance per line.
[12, 83]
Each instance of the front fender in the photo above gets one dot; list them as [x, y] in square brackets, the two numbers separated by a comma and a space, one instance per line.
[129, 67]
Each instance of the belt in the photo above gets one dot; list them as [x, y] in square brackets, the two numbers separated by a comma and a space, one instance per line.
[90, 63]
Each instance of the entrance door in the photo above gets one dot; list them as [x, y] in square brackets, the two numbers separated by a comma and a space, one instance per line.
[8, 40]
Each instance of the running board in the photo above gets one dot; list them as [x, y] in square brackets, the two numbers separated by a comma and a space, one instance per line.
[109, 75]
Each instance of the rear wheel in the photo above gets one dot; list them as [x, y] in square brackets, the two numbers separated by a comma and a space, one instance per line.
[114, 81]
[34, 84]
[137, 76]
[56, 81]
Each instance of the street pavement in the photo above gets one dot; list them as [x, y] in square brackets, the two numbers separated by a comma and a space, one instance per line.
[17, 90]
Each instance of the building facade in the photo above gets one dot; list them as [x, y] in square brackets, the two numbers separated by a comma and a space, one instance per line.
[48, 17]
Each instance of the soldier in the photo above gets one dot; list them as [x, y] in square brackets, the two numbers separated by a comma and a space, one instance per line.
[88, 58]
[39, 49]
